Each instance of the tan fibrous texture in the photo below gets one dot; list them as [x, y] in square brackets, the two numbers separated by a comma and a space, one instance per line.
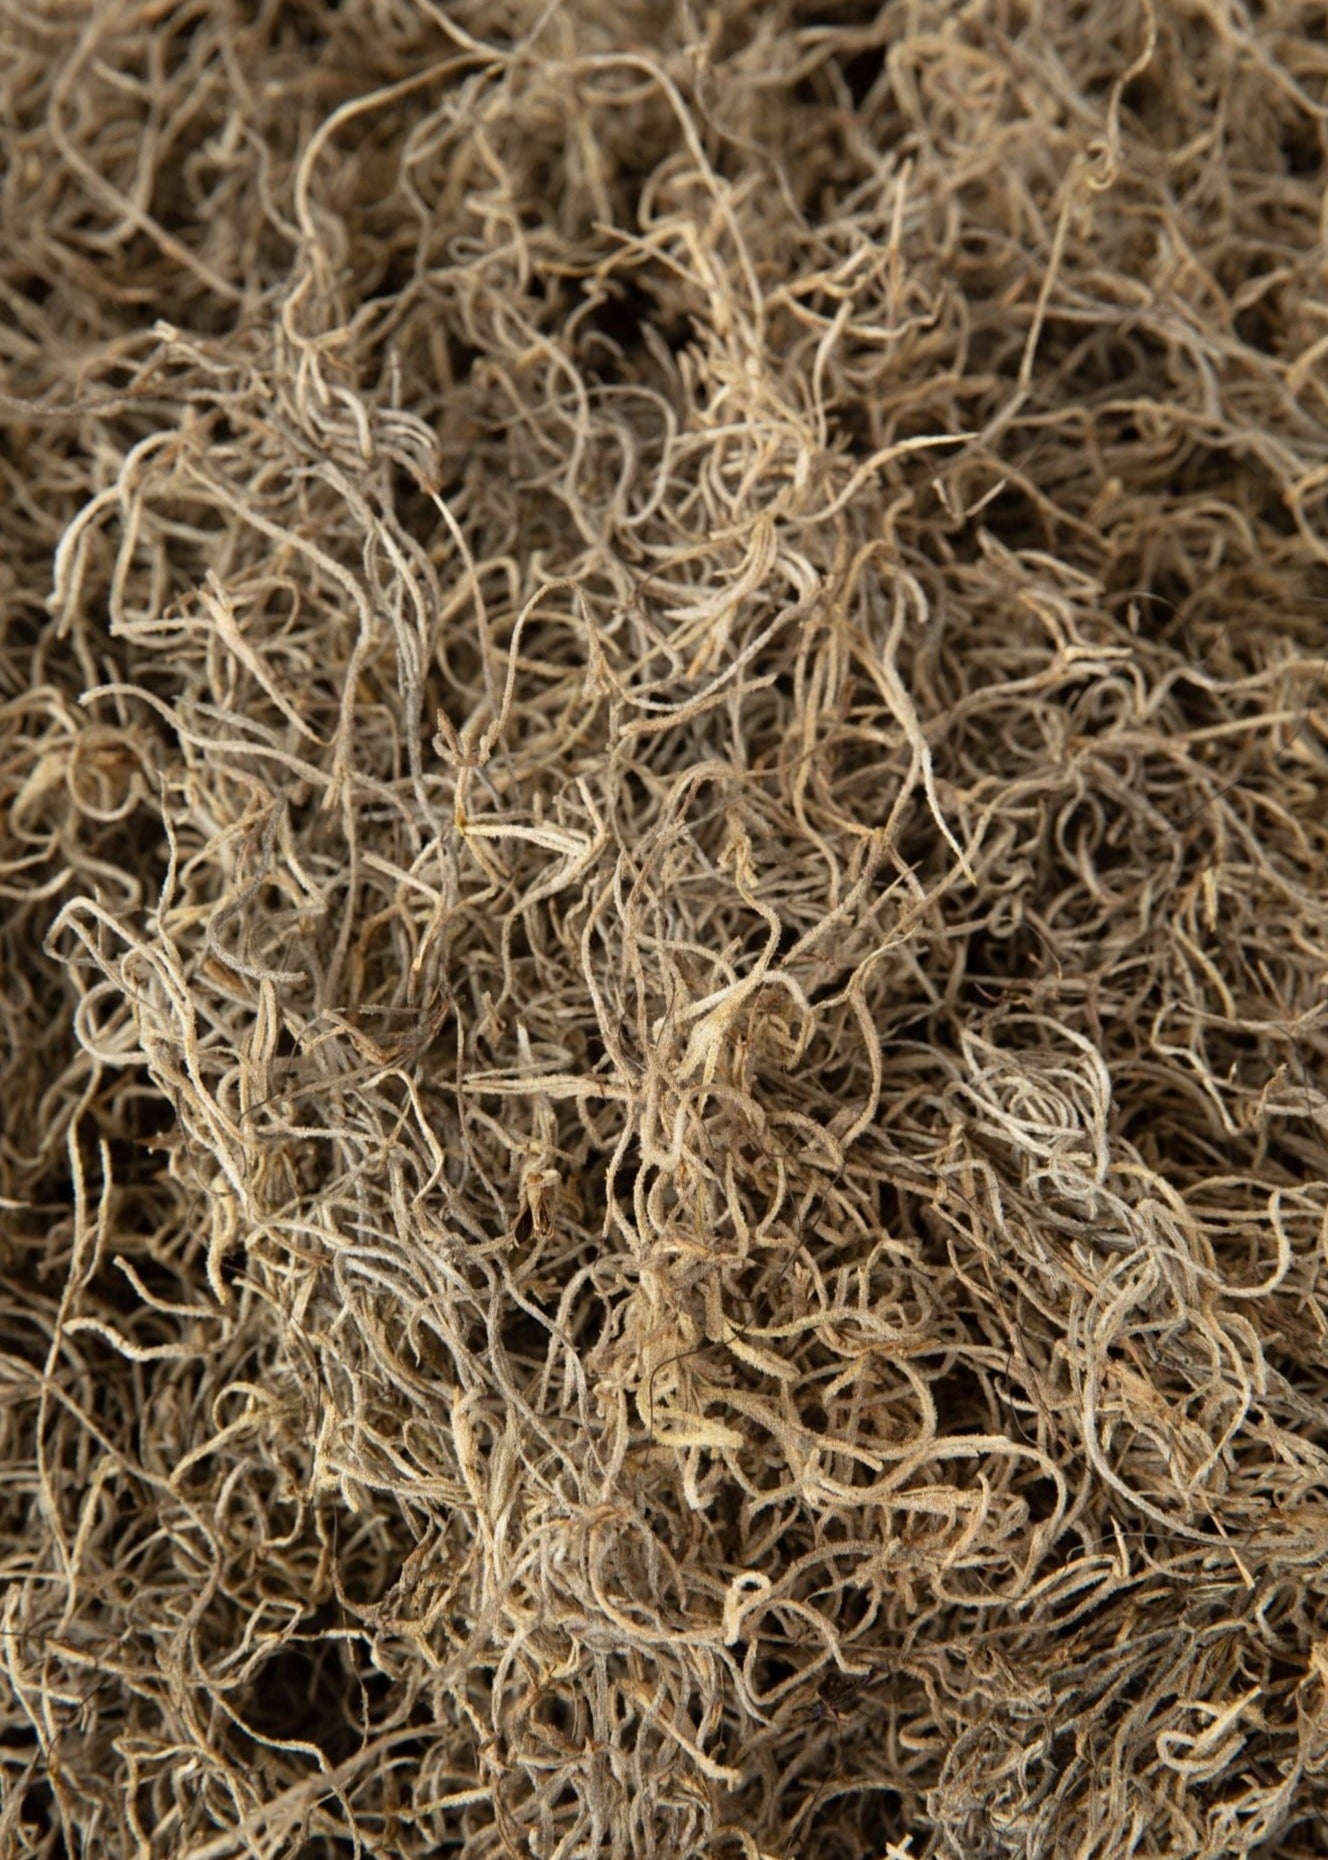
[663, 810]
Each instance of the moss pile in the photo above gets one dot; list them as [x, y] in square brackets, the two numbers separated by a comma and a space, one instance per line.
[664, 930]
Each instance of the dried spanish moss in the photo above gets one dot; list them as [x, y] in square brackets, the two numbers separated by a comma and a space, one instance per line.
[664, 853]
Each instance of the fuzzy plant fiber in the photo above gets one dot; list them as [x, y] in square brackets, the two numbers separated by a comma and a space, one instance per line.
[663, 930]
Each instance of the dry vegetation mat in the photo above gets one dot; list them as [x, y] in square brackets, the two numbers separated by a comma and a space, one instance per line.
[663, 829]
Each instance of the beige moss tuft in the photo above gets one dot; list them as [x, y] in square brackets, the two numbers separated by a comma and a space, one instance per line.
[663, 930]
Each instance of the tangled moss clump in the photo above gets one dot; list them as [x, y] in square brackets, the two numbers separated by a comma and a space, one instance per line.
[663, 813]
